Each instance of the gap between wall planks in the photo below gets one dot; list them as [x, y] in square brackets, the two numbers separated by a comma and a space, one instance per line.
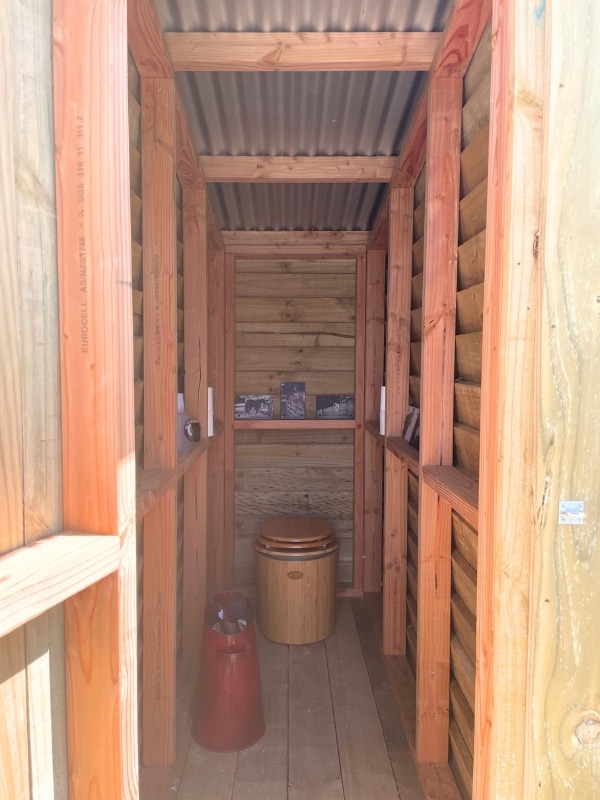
[160, 417]
[94, 250]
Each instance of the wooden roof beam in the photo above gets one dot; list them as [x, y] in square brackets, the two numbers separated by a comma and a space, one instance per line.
[297, 169]
[306, 52]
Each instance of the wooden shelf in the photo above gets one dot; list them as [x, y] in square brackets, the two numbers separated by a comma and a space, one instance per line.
[402, 450]
[295, 424]
[459, 488]
[37, 577]
[153, 483]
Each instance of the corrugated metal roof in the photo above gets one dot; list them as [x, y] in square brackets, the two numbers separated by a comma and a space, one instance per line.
[299, 113]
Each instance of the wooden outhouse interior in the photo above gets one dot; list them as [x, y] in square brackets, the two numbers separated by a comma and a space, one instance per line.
[354, 195]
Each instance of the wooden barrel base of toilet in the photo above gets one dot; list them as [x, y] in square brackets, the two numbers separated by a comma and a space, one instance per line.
[296, 572]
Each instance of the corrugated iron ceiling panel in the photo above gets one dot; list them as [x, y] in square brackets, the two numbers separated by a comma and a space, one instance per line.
[304, 113]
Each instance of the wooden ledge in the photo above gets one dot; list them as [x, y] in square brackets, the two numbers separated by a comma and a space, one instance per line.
[37, 577]
[459, 488]
[151, 484]
[402, 450]
[372, 428]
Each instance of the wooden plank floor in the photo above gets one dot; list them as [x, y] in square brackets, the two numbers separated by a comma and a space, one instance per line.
[333, 730]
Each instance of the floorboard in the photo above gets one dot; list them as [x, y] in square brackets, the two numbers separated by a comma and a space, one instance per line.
[339, 726]
[313, 752]
[366, 768]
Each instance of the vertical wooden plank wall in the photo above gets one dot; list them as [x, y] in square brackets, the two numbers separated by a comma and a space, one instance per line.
[437, 374]
[510, 495]
[564, 678]
[396, 378]
[33, 748]
[374, 378]
[14, 757]
[216, 456]
[227, 543]
[160, 414]
[196, 372]
[92, 176]
[358, 562]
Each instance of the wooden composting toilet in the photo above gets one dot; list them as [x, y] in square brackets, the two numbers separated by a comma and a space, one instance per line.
[296, 572]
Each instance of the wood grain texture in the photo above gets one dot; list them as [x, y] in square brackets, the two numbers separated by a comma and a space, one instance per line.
[437, 369]
[564, 730]
[359, 418]
[35, 578]
[319, 240]
[509, 485]
[461, 36]
[228, 537]
[394, 555]
[398, 310]
[196, 315]
[92, 175]
[310, 51]
[216, 458]
[314, 768]
[159, 630]
[160, 269]
[297, 169]
[14, 746]
[366, 770]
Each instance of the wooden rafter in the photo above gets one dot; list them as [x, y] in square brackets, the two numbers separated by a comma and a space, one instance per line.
[297, 169]
[307, 52]
[296, 239]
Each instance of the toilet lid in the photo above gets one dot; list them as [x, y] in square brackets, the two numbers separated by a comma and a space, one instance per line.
[295, 531]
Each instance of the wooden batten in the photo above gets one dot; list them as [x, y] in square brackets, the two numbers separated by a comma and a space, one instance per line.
[396, 378]
[306, 51]
[374, 365]
[228, 537]
[437, 375]
[195, 267]
[160, 416]
[509, 494]
[216, 380]
[97, 387]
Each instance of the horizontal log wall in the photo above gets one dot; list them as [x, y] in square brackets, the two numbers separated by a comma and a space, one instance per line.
[467, 405]
[294, 321]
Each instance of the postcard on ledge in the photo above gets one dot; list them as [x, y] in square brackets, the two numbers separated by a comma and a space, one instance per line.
[253, 406]
[412, 427]
[293, 400]
[335, 406]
